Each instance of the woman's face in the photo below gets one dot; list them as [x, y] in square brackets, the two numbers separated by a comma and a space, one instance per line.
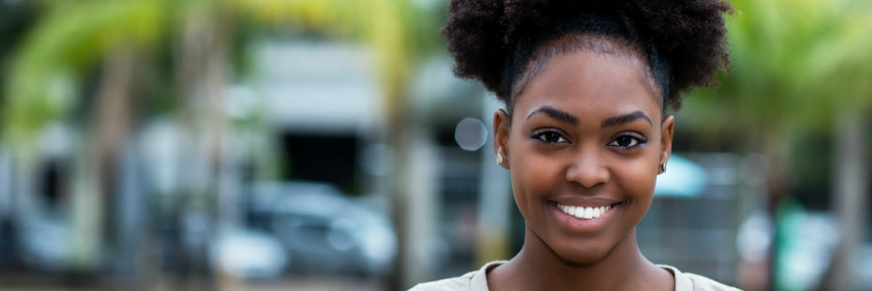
[587, 132]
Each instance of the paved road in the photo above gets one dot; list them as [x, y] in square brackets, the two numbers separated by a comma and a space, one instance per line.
[313, 285]
[295, 284]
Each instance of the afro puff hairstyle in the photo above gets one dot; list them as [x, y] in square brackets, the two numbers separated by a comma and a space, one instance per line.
[683, 41]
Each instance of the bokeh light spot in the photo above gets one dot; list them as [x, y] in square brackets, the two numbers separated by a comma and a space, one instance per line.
[470, 134]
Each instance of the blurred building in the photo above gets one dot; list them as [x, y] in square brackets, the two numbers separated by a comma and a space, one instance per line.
[327, 115]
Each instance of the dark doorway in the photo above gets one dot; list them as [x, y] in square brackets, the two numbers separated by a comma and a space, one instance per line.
[331, 159]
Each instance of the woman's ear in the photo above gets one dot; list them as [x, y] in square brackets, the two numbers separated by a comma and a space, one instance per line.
[501, 137]
[666, 131]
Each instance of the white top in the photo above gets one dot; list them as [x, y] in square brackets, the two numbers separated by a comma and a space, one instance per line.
[477, 281]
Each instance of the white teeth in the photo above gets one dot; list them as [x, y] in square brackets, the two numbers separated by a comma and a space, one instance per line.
[584, 212]
[579, 212]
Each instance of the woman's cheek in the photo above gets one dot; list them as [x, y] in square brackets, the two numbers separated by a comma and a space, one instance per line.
[637, 178]
[534, 181]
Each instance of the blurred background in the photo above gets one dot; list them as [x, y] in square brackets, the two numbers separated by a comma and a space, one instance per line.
[326, 145]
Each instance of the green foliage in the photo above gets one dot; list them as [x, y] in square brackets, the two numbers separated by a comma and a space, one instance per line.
[66, 41]
[74, 36]
[794, 63]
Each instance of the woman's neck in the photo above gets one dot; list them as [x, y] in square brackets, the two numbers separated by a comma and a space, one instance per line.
[537, 267]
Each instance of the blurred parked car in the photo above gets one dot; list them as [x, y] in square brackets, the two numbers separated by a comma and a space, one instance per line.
[323, 230]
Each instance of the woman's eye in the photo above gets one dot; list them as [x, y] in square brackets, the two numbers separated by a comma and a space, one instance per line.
[625, 141]
[551, 137]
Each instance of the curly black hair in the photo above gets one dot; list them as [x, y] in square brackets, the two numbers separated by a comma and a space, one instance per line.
[503, 43]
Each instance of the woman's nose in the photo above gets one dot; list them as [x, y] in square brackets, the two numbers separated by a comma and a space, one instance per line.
[588, 168]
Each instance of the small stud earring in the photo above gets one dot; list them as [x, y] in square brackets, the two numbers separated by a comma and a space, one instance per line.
[663, 167]
[499, 159]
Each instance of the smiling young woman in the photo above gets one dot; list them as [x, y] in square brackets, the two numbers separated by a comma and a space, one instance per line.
[584, 133]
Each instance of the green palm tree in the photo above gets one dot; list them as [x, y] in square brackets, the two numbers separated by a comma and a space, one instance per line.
[120, 36]
[797, 66]
[67, 41]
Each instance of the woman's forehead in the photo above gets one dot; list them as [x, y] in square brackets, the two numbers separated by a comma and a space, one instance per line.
[591, 83]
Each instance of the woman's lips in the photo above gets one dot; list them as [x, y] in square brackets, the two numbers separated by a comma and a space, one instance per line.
[578, 219]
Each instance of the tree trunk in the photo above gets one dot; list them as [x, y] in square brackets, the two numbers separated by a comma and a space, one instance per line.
[850, 194]
[202, 77]
[96, 168]
[778, 188]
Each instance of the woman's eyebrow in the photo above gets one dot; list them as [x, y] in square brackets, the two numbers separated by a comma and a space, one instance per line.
[624, 118]
[556, 114]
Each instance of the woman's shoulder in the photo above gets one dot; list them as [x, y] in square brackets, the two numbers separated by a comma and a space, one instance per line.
[472, 281]
[477, 281]
[451, 284]
[694, 282]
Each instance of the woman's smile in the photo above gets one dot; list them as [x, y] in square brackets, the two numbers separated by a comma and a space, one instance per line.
[583, 219]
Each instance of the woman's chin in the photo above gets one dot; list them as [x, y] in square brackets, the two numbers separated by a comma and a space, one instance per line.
[582, 256]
